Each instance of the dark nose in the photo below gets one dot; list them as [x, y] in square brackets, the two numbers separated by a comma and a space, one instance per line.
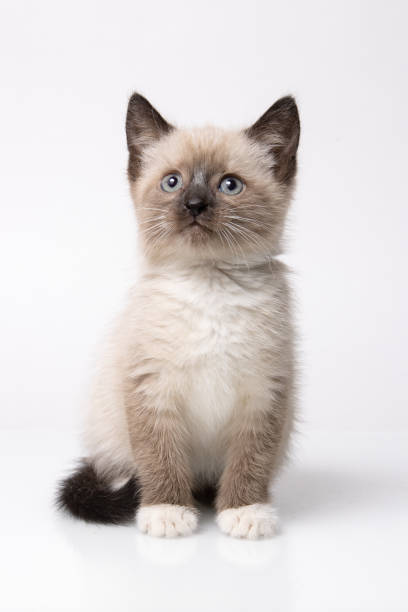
[196, 206]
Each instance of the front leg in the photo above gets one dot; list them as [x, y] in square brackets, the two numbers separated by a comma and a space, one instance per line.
[159, 446]
[257, 442]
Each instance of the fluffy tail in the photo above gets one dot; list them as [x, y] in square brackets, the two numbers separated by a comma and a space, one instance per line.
[88, 496]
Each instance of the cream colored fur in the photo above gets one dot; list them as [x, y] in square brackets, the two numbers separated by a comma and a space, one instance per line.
[213, 333]
[206, 332]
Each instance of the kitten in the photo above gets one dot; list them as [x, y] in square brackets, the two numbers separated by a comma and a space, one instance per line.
[195, 395]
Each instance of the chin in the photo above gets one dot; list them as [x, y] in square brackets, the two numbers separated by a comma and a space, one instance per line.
[196, 232]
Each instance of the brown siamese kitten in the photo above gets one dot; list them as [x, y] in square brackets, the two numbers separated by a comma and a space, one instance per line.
[195, 392]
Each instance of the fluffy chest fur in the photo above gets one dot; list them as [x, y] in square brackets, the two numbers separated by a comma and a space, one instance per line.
[209, 337]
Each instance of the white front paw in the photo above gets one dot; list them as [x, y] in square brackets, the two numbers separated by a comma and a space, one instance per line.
[254, 521]
[166, 520]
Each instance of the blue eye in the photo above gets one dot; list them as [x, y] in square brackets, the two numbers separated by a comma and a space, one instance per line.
[171, 182]
[231, 185]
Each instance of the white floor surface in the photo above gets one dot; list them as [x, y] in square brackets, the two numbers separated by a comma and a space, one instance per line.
[343, 504]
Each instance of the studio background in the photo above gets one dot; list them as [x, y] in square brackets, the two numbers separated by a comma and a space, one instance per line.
[67, 230]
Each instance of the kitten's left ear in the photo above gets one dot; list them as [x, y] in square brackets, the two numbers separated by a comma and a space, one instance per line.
[144, 125]
[279, 130]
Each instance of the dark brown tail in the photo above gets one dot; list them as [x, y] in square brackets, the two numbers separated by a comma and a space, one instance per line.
[87, 496]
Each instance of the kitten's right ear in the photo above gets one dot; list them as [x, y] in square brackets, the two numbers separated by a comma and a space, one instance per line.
[144, 125]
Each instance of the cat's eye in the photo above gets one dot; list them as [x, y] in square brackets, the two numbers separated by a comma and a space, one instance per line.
[171, 182]
[231, 185]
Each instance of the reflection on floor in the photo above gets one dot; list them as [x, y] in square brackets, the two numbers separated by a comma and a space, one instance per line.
[343, 544]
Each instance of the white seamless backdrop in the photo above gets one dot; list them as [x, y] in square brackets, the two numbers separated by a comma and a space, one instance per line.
[67, 229]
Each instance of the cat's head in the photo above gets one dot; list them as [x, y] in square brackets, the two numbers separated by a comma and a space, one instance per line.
[210, 194]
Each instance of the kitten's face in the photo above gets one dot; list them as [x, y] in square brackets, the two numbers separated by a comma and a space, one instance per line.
[210, 194]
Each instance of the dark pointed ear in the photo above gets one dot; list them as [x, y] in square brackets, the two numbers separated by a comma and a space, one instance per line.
[279, 130]
[144, 125]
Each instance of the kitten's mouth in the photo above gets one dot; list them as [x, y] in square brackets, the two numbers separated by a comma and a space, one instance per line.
[197, 226]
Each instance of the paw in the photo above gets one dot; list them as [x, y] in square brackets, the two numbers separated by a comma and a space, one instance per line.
[254, 521]
[166, 520]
